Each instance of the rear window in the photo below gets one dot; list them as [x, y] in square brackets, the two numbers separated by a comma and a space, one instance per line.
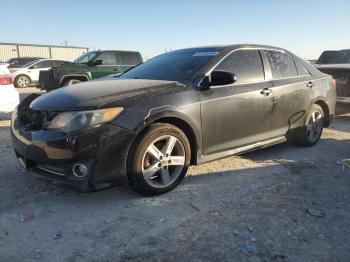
[336, 57]
[129, 58]
[281, 64]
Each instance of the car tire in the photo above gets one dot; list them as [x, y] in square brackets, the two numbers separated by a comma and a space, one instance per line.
[159, 159]
[22, 81]
[311, 132]
[71, 82]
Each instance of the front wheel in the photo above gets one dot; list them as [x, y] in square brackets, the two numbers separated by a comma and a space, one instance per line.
[312, 130]
[159, 159]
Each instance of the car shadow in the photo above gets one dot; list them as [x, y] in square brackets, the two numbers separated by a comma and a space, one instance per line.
[342, 123]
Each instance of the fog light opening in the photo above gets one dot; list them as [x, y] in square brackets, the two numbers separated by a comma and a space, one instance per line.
[80, 170]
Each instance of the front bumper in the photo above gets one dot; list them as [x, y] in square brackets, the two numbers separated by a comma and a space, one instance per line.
[53, 154]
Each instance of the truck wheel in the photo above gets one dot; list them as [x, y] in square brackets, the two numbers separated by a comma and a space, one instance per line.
[71, 82]
[22, 81]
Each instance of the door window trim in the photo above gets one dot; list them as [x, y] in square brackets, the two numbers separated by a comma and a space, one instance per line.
[266, 66]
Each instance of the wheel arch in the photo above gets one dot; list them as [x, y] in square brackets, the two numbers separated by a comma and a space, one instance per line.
[80, 77]
[177, 121]
[325, 109]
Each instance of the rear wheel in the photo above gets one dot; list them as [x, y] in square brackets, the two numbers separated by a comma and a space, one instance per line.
[22, 81]
[159, 159]
[71, 82]
[313, 127]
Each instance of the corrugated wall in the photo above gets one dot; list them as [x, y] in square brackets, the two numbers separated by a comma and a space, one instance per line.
[9, 50]
[66, 52]
[40, 51]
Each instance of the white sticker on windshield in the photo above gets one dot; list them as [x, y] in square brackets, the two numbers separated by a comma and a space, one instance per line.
[205, 53]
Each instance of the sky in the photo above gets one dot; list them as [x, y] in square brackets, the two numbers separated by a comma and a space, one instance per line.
[153, 26]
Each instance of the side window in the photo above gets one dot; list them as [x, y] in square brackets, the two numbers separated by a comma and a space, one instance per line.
[129, 58]
[282, 65]
[108, 58]
[43, 64]
[58, 63]
[301, 69]
[245, 64]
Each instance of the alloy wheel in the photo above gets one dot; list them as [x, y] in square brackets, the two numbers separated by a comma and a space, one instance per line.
[22, 81]
[163, 161]
[314, 126]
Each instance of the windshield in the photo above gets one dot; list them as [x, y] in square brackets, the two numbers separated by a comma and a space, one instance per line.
[336, 57]
[85, 57]
[178, 65]
[30, 63]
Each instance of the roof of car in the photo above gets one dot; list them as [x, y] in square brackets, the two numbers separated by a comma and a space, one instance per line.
[235, 46]
[129, 51]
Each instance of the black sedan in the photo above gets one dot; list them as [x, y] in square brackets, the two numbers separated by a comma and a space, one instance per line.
[179, 109]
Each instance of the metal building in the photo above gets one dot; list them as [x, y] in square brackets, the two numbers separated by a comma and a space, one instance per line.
[13, 50]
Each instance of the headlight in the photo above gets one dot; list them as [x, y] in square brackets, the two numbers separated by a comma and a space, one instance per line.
[72, 121]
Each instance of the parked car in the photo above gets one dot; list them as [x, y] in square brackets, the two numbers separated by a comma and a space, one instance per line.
[92, 65]
[28, 74]
[337, 64]
[9, 97]
[17, 62]
[181, 108]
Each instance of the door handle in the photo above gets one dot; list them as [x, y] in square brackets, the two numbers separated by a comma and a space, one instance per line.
[310, 84]
[266, 91]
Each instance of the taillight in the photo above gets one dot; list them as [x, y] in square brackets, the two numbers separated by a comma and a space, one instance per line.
[334, 82]
[5, 80]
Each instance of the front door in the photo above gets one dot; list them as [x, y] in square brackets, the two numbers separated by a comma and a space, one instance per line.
[109, 65]
[237, 114]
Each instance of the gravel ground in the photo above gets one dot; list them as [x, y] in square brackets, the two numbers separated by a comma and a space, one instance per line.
[282, 203]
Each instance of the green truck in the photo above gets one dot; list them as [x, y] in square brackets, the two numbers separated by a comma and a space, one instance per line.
[91, 65]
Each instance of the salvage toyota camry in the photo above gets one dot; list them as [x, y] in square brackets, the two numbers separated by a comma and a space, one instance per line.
[178, 109]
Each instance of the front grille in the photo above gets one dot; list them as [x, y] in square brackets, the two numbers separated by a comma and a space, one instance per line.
[32, 120]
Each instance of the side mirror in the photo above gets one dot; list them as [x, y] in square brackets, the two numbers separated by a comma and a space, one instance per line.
[219, 78]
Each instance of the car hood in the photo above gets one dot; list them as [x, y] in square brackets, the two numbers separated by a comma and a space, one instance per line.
[99, 94]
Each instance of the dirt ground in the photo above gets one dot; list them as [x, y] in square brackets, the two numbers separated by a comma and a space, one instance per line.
[283, 203]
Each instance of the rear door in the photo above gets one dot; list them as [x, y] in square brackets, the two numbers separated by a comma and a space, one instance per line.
[237, 114]
[292, 87]
[127, 60]
[109, 65]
